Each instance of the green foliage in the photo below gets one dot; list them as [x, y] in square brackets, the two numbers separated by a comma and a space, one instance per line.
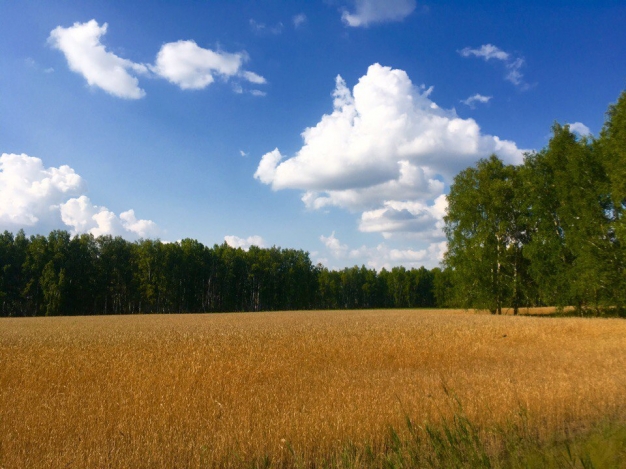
[486, 233]
[61, 274]
[460, 444]
[549, 232]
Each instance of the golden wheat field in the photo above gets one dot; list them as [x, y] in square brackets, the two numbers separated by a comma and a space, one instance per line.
[170, 391]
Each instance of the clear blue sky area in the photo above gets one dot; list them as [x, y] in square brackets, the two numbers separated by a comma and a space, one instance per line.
[330, 126]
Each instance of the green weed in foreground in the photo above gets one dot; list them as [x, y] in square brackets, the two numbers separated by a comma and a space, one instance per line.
[459, 444]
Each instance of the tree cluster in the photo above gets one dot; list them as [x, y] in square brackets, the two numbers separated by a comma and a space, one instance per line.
[551, 231]
[81, 275]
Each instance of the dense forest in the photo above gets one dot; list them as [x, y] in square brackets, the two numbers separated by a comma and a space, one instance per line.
[548, 232]
[81, 275]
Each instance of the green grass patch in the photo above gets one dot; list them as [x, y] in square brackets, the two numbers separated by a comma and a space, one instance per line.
[459, 444]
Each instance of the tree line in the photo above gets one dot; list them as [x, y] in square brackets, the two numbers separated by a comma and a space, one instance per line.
[551, 231]
[548, 232]
[60, 274]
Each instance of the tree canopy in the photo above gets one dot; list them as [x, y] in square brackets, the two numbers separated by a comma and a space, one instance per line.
[548, 232]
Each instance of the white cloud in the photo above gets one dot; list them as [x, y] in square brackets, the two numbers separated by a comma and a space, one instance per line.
[262, 28]
[377, 11]
[33, 196]
[244, 243]
[29, 192]
[426, 221]
[386, 150]
[477, 98]
[31, 63]
[182, 63]
[254, 78]
[336, 248]
[142, 228]
[190, 66]
[513, 72]
[511, 64]
[266, 171]
[258, 93]
[84, 217]
[299, 20]
[382, 256]
[87, 56]
[486, 51]
[580, 128]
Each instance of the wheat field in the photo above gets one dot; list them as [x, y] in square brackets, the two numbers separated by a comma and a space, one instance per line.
[215, 390]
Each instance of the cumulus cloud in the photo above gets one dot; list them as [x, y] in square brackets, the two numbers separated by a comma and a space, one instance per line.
[182, 63]
[87, 56]
[512, 64]
[192, 67]
[386, 143]
[367, 12]
[426, 221]
[382, 255]
[580, 128]
[33, 196]
[477, 98]
[388, 152]
[244, 243]
[30, 192]
[332, 243]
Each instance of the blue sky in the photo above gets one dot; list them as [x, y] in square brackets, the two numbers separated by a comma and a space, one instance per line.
[330, 126]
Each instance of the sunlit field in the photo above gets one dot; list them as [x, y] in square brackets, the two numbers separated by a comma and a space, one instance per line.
[170, 391]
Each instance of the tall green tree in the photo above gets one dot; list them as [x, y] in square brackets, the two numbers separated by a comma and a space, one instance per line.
[482, 227]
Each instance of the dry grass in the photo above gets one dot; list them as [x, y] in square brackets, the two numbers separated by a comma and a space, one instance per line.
[208, 390]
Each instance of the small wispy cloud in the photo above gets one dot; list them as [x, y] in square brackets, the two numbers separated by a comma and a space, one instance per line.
[254, 78]
[262, 28]
[486, 51]
[31, 63]
[367, 12]
[299, 20]
[477, 98]
[512, 64]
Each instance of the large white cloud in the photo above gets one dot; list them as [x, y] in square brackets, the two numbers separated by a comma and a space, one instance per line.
[389, 152]
[377, 11]
[30, 192]
[40, 198]
[385, 141]
[86, 55]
